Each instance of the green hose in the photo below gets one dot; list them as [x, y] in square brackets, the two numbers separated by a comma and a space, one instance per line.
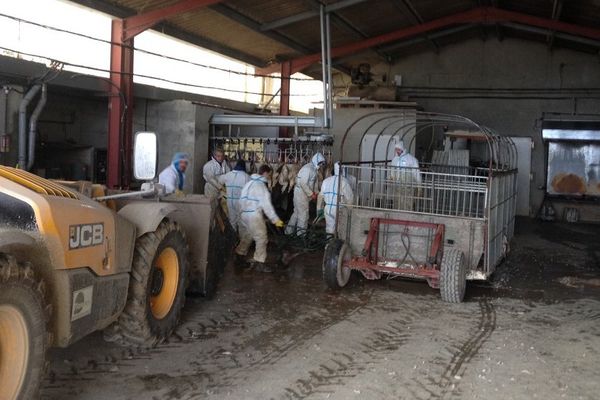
[312, 239]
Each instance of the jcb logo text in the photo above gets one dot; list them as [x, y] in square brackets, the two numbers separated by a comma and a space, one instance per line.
[85, 235]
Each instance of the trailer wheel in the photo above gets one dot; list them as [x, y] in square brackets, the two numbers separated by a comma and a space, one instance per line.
[334, 274]
[453, 276]
[156, 289]
[24, 337]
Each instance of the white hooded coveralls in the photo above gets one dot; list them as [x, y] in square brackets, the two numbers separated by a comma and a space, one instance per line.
[234, 182]
[170, 178]
[329, 196]
[407, 176]
[255, 201]
[211, 171]
[306, 183]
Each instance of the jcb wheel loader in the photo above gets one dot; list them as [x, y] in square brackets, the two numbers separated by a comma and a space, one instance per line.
[71, 265]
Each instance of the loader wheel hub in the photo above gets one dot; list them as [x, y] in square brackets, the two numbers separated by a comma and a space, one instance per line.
[158, 279]
[14, 350]
[164, 284]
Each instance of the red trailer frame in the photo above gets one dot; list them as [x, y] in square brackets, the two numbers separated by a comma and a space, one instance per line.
[370, 264]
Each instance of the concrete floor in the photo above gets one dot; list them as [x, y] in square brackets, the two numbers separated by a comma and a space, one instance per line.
[532, 332]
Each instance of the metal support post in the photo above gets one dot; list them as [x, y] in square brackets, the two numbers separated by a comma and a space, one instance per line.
[120, 122]
[120, 105]
[329, 81]
[284, 102]
[324, 67]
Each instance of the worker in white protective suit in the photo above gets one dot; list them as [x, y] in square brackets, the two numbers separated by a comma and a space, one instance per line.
[327, 203]
[305, 190]
[234, 182]
[173, 177]
[255, 203]
[215, 167]
[407, 175]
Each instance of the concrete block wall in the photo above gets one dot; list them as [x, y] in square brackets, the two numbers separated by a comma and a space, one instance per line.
[82, 120]
[174, 123]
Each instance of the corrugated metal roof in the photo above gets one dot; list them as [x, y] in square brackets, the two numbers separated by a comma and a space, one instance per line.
[208, 23]
[238, 26]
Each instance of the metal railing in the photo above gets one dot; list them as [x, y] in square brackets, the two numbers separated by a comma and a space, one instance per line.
[418, 191]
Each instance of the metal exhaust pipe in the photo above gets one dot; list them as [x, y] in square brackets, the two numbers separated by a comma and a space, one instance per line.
[33, 127]
[22, 158]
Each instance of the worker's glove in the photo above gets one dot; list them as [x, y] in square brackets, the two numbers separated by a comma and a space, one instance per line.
[279, 224]
[314, 196]
[320, 213]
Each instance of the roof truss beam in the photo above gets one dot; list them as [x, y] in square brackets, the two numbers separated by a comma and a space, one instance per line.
[557, 6]
[292, 19]
[137, 24]
[394, 48]
[479, 15]
[256, 26]
[171, 30]
[346, 25]
[407, 8]
[499, 30]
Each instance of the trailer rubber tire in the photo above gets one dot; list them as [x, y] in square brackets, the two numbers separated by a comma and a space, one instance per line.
[157, 286]
[334, 275]
[24, 337]
[453, 276]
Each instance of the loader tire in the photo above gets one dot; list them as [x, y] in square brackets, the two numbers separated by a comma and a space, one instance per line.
[24, 337]
[334, 274]
[159, 277]
[453, 276]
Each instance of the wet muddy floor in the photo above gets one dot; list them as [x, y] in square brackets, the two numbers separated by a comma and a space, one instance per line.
[533, 331]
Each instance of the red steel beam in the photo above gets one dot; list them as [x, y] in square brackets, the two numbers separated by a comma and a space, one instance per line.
[499, 15]
[120, 105]
[284, 99]
[284, 102]
[139, 23]
[484, 15]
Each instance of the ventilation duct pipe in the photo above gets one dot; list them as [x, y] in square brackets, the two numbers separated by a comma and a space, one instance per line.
[22, 158]
[33, 127]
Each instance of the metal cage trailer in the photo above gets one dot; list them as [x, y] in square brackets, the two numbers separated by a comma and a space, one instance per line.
[442, 223]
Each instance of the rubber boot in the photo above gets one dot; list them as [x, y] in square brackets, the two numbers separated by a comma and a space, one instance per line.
[240, 261]
[261, 267]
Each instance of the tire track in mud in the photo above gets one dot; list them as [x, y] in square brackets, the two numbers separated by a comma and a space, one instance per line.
[237, 361]
[242, 323]
[372, 348]
[449, 381]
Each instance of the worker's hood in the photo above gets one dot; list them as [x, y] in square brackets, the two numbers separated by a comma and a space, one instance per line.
[400, 146]
[336, 168]
[179, 157]
[257, 177]
[318, 158]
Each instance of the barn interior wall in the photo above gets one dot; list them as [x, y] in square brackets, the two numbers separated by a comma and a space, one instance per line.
[76, 121]
[460, 68]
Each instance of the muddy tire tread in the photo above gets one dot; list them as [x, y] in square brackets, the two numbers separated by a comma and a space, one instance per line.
[453, 276]
[134, 326]
[330, 262]
[14, 274]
